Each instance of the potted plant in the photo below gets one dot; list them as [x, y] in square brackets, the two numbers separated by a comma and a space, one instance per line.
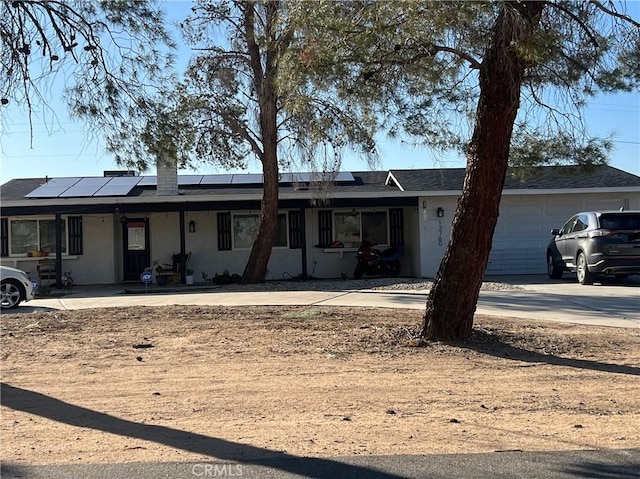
[189, 276]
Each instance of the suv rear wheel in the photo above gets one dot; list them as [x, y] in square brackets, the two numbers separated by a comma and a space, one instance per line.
[582, 270]
[553, 271]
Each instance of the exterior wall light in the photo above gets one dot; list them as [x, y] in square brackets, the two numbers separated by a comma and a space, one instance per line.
[440, 212]
[192, 226]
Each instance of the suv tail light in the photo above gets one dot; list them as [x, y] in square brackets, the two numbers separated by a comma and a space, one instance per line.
[603, 233]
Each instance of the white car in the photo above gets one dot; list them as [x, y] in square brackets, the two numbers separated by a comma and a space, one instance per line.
[15, 287]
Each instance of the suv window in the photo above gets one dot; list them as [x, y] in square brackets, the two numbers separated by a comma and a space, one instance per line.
[568, 225]
[620, 221]
[582, 223]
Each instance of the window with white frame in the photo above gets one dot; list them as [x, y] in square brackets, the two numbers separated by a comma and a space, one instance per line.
[245, 230]
[351, 228]
[31, 235]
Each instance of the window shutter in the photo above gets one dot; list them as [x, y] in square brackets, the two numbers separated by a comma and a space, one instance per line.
[4, 236]
[396, 227]
[325, 227]
[295, 230]
[75, 235]
[224, 231]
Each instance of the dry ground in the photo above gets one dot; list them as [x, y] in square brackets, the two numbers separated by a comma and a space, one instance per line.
[189, 383]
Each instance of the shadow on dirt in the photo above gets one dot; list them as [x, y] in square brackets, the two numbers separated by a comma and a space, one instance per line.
[488, 343]
[51, 408]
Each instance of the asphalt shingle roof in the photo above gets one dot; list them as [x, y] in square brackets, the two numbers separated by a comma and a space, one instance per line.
[424, 180]
[550, 177]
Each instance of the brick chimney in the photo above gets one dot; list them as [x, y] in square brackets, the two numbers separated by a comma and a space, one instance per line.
[167, 178]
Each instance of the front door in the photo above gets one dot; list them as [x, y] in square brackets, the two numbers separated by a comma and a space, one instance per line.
[137, 256]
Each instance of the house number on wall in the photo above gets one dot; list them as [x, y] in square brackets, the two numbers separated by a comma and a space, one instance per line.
[440, 232]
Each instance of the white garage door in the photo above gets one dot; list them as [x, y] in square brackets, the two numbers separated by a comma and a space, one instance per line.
[518, 240]
[522, 233]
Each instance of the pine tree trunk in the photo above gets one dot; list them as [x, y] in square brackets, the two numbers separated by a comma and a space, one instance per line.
[256, 268]
[266, 92]
[452, 300]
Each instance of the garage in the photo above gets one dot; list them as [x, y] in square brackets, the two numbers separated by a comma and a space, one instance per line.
[522, 232]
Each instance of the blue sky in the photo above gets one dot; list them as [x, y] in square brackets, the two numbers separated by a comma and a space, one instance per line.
[62, 147]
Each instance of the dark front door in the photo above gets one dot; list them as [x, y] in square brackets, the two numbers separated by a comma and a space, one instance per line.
[135, 235]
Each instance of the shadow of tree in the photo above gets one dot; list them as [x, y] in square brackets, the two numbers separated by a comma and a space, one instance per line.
[594, 470]
[48, 407]
[487, 343]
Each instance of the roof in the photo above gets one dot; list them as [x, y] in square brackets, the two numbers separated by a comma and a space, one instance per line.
[543, 178]
[403, 182]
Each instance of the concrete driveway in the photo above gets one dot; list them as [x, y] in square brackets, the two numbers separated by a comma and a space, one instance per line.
[611, 303]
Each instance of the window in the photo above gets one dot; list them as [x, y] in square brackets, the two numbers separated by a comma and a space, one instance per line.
[245, 231]
[351, 228]
[582, 223]
[620, 221]
[568, 225]
[35, 235]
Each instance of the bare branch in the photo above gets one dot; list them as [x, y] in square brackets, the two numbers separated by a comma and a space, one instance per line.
[615, 14]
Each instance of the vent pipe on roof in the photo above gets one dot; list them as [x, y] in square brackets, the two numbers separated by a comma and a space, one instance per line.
[167, 178]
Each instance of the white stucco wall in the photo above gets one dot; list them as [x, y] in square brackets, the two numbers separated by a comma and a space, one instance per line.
[164, 237]
[205, 257]
[97, 264]
[434, 232]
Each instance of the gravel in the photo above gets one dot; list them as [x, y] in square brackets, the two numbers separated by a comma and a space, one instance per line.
[377, 284]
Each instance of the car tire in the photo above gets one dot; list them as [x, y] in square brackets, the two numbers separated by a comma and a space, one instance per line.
[582, 270]
[12, 293]
[553, 270]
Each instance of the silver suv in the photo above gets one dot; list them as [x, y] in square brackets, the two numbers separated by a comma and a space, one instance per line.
[596, 243]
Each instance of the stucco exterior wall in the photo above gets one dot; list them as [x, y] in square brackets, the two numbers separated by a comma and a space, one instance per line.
[434, 232]
[97, 264]
[203, 246]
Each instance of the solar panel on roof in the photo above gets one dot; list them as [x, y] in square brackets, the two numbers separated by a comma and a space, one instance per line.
[148, 181]
[295, 178]
[53, 187]
[125, 180]
[216, 179]
[247, 179]
[344, 176]
[85, 187]
[189, 179]
[306, 177]
[66, 181]
[118, 186]
[46, 192]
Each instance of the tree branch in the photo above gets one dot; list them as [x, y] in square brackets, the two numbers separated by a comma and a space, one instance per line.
[576, 19]
[615, 14]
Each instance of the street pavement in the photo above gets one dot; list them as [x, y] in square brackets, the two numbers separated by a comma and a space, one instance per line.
[596, 464]
[614, 304]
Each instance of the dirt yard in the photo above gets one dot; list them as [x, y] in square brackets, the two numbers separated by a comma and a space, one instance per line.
[197, 383]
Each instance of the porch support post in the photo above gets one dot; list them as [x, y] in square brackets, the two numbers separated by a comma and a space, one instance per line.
[303, 240]
[58, 250]
[182, 245]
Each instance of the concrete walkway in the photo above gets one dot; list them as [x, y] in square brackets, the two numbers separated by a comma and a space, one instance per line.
[608, 304]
